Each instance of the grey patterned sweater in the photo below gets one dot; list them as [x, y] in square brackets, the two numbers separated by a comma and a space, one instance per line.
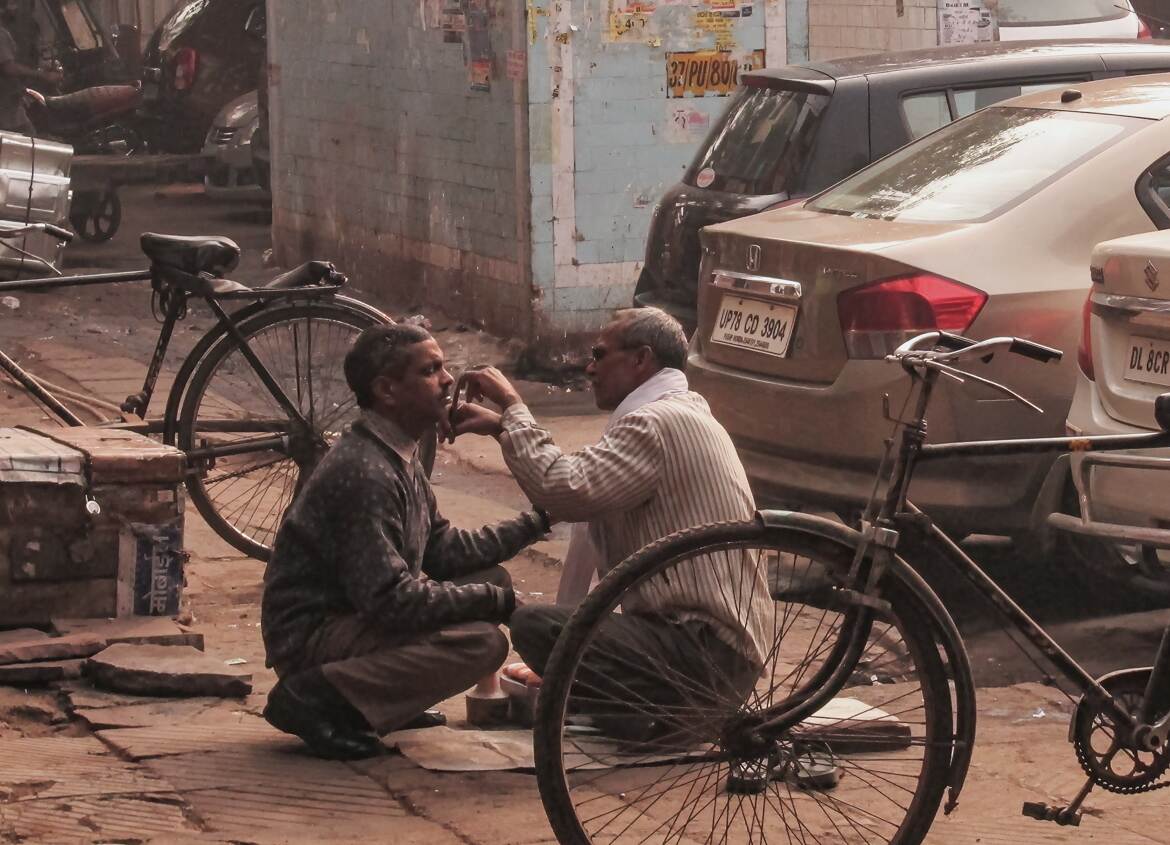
[361, 536]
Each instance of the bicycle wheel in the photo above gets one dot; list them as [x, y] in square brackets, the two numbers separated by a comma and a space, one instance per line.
[244, 495]
[619, 759]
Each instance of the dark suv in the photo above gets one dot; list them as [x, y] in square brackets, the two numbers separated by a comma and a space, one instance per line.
[792, 131]
[205, 54]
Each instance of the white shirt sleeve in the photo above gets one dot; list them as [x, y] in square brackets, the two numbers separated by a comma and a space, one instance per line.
[620, 472]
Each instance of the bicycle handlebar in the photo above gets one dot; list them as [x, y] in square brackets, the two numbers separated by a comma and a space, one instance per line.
[56, 231]
[959, 348]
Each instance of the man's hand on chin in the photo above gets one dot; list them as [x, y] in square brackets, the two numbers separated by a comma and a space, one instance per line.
[470, 418]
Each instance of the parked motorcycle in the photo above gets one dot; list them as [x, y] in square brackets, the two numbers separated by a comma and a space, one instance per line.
[97, 120]
[100, 120]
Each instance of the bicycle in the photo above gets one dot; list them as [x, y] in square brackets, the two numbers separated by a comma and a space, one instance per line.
[261, 395]
[862, 714]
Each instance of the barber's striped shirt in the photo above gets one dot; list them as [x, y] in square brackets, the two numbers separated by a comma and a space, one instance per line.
[667, 466]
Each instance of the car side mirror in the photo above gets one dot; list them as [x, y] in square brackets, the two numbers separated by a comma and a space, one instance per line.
[1162, 411]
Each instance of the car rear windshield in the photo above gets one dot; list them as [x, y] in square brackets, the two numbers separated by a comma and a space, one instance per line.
[761, 144]
[975, 168]
[1059, 11]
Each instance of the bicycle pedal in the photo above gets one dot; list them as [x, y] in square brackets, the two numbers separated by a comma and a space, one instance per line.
[1047, 813]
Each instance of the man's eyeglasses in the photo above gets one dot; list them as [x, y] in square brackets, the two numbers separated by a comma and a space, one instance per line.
[599, 352]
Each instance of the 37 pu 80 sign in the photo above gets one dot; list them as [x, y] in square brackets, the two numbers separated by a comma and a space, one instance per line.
[755, 325]
[698, 73]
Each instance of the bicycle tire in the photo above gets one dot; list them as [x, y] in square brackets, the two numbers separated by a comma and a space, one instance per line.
[568, 690]
[224, 386]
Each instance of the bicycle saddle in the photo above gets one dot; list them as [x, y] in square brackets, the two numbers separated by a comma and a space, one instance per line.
[195, 254]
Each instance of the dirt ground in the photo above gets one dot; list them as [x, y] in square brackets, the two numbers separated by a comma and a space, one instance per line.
[218, 774]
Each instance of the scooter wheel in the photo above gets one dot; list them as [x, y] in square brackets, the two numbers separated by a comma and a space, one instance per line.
[97, 216]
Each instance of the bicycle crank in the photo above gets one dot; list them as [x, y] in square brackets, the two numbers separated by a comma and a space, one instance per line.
[1110, 757]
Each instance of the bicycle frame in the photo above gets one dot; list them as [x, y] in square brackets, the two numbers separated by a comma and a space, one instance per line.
[138, 404]
[897, 514]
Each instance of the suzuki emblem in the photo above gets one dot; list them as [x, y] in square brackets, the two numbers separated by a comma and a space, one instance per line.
[1151, 275]
[753, 257]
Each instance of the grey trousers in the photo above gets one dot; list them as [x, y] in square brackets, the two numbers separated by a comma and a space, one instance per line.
[643, 674]
[391, 678]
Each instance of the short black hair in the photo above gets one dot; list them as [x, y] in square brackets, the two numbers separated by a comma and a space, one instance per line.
[654, 328]
[379, 350]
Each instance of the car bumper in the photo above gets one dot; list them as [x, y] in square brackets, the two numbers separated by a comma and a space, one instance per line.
[819, 445]
[1122, 495]
[230, 174]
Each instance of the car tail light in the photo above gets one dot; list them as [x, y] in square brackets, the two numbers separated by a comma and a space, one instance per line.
[877, 317]
[1085, 349]
[186, 63]
[1144, 29]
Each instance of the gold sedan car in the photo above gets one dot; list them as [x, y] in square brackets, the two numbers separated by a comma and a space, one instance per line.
[982, 228]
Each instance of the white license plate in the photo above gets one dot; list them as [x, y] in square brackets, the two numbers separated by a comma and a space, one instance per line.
[1149, 361]
[750, 324]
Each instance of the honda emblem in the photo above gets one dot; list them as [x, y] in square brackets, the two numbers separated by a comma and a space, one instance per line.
[1151, 275]
[753, 257]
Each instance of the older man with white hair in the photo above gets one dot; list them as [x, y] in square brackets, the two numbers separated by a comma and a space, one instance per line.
[664, 464]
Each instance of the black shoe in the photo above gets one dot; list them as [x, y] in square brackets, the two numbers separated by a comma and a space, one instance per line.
[295, 714]
[425, 719]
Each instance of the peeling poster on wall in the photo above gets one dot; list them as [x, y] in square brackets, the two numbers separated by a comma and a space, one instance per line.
[478, 46]
[431, 12]
[701, 72]
[966, 21]
[685, 124]
[454, 24]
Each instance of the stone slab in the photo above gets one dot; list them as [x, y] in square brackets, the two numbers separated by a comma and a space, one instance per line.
[170, 740]
[58, 767]
[277, 794]
[165, 670]
[187, 711]
[39, 674]
[117, 456]
[79, 695]
[469, 803]
[136, 630]
[51, 648]
[22, 635]
[149, 817]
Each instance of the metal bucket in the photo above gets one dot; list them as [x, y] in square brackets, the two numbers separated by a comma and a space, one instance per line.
[34, 188]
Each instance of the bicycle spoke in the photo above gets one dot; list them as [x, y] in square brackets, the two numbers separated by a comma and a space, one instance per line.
[302, 347]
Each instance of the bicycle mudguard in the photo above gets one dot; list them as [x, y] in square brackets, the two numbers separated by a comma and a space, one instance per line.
[946, 634]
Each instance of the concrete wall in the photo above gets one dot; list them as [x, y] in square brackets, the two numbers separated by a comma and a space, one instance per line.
[608, 135]
[395, 143]
[847, 27]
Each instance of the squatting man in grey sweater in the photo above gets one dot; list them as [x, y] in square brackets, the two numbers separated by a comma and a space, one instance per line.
[374, 607]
